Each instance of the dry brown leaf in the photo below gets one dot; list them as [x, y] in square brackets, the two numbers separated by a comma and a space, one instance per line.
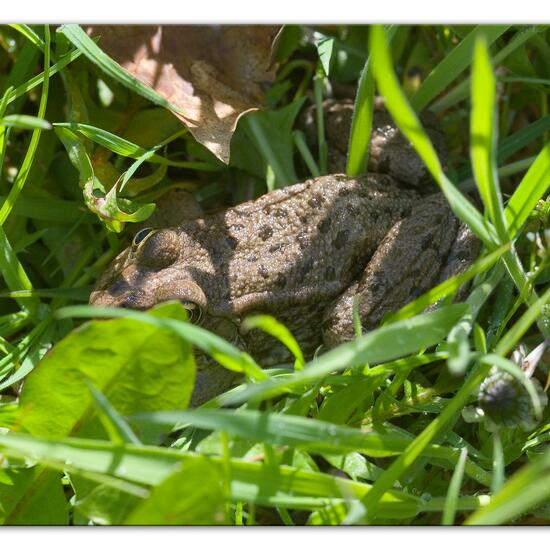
[213, 73]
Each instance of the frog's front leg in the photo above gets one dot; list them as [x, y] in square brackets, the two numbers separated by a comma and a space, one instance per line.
[417, 253]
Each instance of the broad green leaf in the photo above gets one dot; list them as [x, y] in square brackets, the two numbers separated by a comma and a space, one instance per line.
[138, 368]
[483, 136]
[27, 497]
[194, 494]
[113, 210]
[452, 65]
[101, 503]
[223, 352]
[408, 122]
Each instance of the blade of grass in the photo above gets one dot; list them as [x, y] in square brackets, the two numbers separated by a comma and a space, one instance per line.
[4, 133]
[318, 81]
[483, 136]
[531, 188]
[460, 92]
[256, 130]
[523, 137]
[117, 428]
[361, 122]
[454, 490]
[303, 149]
[47, 209]
[126, 148]
[30, 35]
[498, 464]
[504, 171]
[39, 78]
[313, 435]
[23, 173]
[14, 274]
[271, 326]
[25, 122]
[453, 64]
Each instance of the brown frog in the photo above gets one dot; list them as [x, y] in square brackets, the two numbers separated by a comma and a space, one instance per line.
[301, 254]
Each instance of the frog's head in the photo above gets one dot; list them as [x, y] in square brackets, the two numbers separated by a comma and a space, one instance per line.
[148, 273]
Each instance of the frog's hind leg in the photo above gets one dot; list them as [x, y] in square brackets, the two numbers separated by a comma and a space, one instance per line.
[417, 253]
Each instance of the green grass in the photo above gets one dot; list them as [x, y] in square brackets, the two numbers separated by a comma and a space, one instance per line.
[385, 429]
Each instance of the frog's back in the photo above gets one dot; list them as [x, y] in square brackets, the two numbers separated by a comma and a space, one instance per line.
[301, 243]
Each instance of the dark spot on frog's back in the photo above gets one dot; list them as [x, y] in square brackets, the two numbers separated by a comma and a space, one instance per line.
[427, 242]
[265, 232]
[263, 272]
[280, 281]
[278, 212]
[316, 201]
[231, 242]
[330, 273]
[324, 226]
[341, 239]
[303, 241]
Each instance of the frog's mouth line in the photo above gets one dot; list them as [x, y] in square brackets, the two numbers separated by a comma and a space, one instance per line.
[122, 293]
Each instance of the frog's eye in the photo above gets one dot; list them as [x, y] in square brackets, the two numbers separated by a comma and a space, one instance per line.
[194, 311]
[141, 235]
[158, 249]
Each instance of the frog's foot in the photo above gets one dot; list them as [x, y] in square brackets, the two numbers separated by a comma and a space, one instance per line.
[417, 253]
